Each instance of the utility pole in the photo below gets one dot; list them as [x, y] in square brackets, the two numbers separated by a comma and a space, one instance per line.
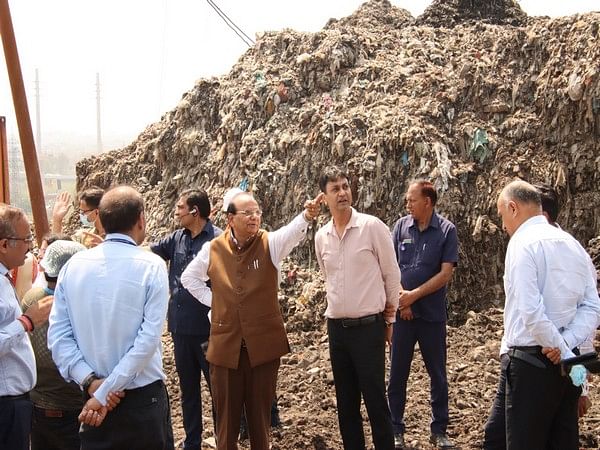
[38, 123]
[15, 76]
[98, 123]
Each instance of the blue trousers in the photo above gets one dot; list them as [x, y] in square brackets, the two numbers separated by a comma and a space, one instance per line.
[191, 365]
[431, 337]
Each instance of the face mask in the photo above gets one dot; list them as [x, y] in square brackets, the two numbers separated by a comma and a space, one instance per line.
[85, 221]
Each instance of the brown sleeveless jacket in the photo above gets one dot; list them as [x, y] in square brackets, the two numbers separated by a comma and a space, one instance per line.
[244, 303]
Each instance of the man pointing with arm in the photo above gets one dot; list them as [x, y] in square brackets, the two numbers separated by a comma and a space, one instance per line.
[247, 335]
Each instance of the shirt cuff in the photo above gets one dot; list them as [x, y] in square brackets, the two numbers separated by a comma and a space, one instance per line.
[80, 371]
[569, 339]
[102, 392]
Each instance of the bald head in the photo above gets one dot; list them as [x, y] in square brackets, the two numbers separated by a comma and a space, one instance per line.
[518, 202]
[522, 192]
[121, 208]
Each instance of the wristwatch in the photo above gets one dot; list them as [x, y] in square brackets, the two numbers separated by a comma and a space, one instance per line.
[87, 382]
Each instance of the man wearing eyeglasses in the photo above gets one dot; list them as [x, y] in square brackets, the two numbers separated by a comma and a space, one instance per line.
[247, 336]
[17, 363]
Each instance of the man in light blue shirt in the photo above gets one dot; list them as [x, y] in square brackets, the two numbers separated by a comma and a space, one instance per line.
[105, 331]
[17, 363]
[551, 307]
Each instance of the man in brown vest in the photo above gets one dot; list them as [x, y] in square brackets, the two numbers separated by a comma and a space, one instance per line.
[247, 335]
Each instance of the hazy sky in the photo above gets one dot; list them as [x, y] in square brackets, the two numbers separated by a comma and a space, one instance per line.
[149, 52]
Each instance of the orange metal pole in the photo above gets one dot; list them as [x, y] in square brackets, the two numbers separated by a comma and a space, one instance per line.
[32, 169]
[4, 181]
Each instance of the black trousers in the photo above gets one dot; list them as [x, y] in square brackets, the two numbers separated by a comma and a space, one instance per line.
[541, 407]
[191, 365]
[15, 422]
[141, 421]
[55, 429]
[358, 363]
[494, 433]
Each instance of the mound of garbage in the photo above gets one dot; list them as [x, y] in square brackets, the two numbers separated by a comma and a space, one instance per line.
[469, 106]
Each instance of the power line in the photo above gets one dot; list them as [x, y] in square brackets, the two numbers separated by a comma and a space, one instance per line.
[237, 30]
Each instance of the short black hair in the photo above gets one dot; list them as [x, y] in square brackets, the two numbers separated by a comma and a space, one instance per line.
[197, 198]
[549, 200]
[331, 173]
[427, 189]
[92, 196]
[53, 237]
[120, 212]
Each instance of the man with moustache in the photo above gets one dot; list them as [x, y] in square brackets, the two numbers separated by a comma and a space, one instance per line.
[356, 255]
[247, 336]
[426, 247]
[17, 362]
[188, 318]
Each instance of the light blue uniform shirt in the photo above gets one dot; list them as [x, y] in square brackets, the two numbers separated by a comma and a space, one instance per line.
[109, 309]
[17, 362]
[551, 296]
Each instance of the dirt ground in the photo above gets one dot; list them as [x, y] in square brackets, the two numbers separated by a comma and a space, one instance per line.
[307, 399]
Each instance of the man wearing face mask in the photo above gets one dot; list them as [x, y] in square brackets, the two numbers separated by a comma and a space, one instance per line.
[92, 232]
[187, 317]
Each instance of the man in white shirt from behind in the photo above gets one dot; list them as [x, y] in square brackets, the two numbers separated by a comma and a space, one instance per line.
[551, 307]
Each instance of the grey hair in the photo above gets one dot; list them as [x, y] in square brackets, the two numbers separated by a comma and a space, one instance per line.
[522, 192]
[9, 215]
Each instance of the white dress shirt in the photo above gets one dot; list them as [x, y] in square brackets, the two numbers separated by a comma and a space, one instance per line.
[17, 362]
[109, 309]
[281, 243]
[551, 296]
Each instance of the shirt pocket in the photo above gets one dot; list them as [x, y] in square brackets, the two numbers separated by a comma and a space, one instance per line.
[406, 253]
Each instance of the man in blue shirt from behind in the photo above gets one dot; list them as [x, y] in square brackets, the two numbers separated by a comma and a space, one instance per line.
[105, 332]
[187, 317]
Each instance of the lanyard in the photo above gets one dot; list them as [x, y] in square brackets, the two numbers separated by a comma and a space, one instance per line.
[122, 241]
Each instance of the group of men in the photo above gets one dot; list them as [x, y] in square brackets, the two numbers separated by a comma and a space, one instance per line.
[110, 303]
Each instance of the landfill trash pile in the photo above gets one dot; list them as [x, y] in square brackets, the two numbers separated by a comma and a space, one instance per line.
[469, 98]
[449, 13]
[469, 107]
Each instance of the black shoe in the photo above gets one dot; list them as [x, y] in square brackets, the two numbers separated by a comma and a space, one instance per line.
[399, 441]
[441, 440]
[243, 431]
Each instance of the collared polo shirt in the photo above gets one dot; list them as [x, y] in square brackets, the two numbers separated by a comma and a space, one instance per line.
[420, 255]
[186, 315]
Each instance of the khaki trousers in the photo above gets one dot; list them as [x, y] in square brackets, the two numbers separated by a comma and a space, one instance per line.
[252, 388]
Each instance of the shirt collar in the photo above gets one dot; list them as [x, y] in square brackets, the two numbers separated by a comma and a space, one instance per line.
[352, 223]
[119, 236]
[208, 230]
[433, 222]
[535, 220]
[3, 269]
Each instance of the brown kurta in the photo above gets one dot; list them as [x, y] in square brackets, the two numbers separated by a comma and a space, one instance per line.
[244, 303]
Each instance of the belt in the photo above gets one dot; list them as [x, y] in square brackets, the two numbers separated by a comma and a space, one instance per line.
[55, 413]
[24, 396]
[359, 321]
[529, 355]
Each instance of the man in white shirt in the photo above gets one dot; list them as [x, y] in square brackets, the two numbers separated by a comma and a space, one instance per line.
[551, 307]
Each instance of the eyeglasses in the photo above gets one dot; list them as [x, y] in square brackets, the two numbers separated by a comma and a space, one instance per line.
[256, 212]
[28, 239]
[85, 211]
